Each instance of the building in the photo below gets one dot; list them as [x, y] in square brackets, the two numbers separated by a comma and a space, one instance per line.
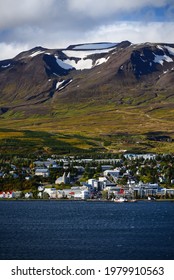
[65, 179]
[7, 194]
[144, 190]
[113, 173]
[44, 172]
[46, 164]
[74, 193]
[52, 192]
[139, 156]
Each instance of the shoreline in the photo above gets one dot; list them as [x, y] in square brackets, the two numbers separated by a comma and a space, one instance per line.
[85, 200]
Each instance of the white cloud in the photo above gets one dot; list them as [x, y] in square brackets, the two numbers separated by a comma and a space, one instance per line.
[43, 12]
[25, 24]
[9, 50]
[13, 13]
[136, 32]
[96, 8]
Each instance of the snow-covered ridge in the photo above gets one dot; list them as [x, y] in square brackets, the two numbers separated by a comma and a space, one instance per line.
[79, 56]
[163, 48]
[36, 53]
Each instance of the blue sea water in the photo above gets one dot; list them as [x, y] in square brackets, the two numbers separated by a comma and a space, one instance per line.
[79, 230]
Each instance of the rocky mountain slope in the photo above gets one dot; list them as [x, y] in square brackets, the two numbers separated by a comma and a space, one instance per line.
[95, 97]
[123, 73]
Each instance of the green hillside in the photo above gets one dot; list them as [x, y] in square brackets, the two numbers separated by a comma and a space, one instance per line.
[89, 127]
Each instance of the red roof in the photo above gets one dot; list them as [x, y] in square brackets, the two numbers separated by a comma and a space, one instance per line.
[72, 193]
[121, 191]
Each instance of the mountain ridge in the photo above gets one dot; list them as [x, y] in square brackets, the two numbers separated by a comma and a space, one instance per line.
[108, 88]
[53, 70]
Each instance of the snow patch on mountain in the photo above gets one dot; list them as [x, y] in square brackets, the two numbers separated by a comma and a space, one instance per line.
[64, 64]
[160, 47]
[170, 50]
[80, 60]
[64, 84]
[101, 60]
[5, 66]
[59, 84]
[80, 64]
[165, 72]
[36, 53]
[84, 54]
[161, 58]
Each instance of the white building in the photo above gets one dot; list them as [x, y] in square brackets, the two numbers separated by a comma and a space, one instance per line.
[112, 172]
[28, 195]
[64, 179]
[52, 192]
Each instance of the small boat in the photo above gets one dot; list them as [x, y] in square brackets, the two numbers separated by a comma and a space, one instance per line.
[121, 199]
[151, 198]
[132, 200]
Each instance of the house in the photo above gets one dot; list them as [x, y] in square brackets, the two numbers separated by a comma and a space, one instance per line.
[76, 193]
[93, 183]
[48, 164]
[2, 194]
[52, 192]
[44, 172]
[28, 177]
[29, 195]
[106, 167]
[51, 164]
[113, 173]
[80, 169]
[104, 183]
[13, 174]
[169, 191]
[7, 194]
[41, 188]
[17, 194]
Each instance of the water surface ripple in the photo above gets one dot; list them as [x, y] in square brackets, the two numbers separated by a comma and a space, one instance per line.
[86, 230]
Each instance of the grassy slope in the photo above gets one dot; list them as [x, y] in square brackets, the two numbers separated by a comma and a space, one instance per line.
[88, 126]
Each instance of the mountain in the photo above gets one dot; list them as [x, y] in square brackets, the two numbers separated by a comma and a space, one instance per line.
[82, 71]
[118, 80]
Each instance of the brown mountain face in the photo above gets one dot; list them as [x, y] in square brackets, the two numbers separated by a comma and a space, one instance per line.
[39, 80]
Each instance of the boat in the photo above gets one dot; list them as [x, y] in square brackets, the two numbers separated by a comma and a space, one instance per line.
[132, 200]
[120, 200]
[123, 199]
[151, 198]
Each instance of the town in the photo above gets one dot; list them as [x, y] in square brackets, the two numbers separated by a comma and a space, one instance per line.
[106, 177]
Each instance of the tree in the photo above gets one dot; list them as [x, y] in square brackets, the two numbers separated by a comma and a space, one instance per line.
[46, 195]
[105, 194]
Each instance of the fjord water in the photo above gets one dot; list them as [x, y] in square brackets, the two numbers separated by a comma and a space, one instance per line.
[86, 230]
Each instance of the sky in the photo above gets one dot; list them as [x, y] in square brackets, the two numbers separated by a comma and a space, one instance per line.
[25, 24]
